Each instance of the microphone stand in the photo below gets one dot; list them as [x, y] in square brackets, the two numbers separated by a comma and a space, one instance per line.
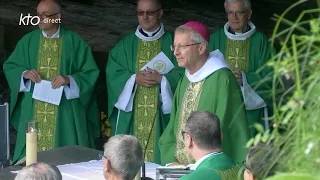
[144, 154]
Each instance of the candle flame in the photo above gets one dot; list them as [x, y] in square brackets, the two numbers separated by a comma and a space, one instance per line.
[31, 130]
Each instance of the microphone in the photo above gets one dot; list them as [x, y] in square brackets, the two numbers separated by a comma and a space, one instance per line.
[145, 150]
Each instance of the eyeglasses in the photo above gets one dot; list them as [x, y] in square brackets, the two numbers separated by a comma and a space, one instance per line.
[182, 133]
[45, 16]
[237, 13]
[173, 47]
[148, 13]
[101, 156]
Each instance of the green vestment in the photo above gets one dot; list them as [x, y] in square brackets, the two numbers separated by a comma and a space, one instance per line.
[215, 167]
[247, 56]
[125, 59]
[74, 121]
[218, 93]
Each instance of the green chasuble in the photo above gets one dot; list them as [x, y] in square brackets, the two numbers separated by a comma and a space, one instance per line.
[218, 93]
[215, 167]
[248, 56]
[125, 59]
[75, 121]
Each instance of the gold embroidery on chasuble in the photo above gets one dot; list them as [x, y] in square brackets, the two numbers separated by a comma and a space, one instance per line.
[237, 54]
[189, 103]
[146, 101]
[46, 113]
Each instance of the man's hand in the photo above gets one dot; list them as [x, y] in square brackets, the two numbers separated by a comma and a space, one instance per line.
[60, 80]
[155, 75]
[145, 79]
[33, 75]
[238, 75]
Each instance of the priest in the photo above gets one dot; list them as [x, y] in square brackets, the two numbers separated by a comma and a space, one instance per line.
[208, 84]
[140, 82]
[202, 139]
[60, 56]
[246, 51]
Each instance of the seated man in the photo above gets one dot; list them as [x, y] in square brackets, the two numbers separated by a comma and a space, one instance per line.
[260, 162]
[39, 170]
[123, 157]
[202, 138]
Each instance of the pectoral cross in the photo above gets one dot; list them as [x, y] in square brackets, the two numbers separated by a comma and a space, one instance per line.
[236, 58]
[145, 106]
[48, 68]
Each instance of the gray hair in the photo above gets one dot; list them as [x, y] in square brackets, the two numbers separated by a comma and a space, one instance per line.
[204, 128]
[195, 36]
[39, 171]
[247, 3]
[125, 155]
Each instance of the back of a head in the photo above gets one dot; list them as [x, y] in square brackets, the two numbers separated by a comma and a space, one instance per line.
[39, 171]
[125, 154]
[204, 128]
[260, 160]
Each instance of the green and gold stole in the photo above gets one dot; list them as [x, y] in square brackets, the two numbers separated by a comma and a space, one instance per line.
[45, 113]
[189, 103]
[237, 54]
[146, 100]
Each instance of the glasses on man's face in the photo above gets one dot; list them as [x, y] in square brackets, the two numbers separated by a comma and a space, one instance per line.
[45, 16]
[173, 47]
[101, 156]
[182, 134]
[237, 13]
[148, 13]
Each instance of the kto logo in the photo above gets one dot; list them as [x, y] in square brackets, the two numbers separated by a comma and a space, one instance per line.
[35, 20]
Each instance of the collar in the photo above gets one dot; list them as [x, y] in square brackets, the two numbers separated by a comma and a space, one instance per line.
[55, 35]
[149, 34]
[240, 36]
[246, 29]
[154, 35]
[195, 166]
[215, 62]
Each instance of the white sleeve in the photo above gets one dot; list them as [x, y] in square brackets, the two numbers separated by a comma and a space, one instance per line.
[24, 86]
[166, 96]
[251, 99]
[72, 90]
[125, 100]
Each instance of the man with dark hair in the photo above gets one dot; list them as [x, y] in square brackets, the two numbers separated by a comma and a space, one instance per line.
[202, 138]
[140, 100]
[260, 162]
[55, 55]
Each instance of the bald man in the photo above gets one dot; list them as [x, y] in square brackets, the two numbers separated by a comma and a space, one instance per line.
[57, 56]
[140, 101]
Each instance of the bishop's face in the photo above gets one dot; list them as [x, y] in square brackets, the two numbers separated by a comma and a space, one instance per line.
[149, 15]
[186, 51]
[238, 16]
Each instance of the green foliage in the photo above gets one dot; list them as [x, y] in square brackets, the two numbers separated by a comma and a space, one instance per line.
[293, 177]
[296, 118]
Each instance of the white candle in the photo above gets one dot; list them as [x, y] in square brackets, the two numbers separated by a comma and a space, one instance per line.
[31, 147]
